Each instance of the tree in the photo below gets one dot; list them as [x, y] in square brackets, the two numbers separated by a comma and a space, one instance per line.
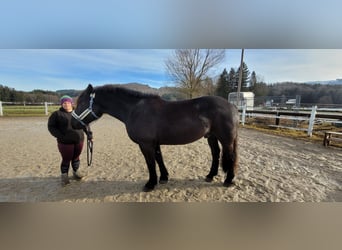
[11, 95]
[245, 76]
[188, 68]
[5, 93]
[232, 81]
[257, 86]
[222, 88]
[325, 100]
[208, 87]
[253, 81]
[260, 89]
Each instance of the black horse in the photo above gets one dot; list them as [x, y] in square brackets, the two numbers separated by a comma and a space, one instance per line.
[151, 121]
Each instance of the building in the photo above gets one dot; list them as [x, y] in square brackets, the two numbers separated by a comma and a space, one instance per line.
[246, 99]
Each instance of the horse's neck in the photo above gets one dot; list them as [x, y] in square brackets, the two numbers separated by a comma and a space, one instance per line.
[119, 105]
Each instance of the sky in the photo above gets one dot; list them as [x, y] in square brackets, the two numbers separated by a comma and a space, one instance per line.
[53, 45]
[56, 69]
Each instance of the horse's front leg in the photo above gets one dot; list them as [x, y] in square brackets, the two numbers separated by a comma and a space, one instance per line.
[149, 154]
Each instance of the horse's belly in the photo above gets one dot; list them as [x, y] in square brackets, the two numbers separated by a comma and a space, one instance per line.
[184, 131]
[177, 137]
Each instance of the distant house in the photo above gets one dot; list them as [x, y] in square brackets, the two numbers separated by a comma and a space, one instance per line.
[246, 99]
[291, 102]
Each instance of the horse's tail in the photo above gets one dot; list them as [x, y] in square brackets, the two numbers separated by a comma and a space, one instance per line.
[230, 157]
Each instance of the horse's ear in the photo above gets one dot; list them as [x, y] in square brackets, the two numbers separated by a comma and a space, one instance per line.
[90, 88]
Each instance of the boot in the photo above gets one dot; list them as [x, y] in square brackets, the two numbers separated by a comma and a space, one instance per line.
[76, 172]
[65, 179]
[77, 175]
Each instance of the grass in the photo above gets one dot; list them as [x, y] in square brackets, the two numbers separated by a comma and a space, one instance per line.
[20, 110]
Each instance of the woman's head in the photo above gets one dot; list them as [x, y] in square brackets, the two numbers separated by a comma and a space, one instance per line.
[66, 98]
[66, 102]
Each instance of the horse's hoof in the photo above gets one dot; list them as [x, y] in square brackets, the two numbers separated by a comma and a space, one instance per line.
[228, 183]
[163, 181]
[147, 189]
[208, 179]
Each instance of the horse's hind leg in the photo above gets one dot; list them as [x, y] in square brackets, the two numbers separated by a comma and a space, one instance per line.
[229, 161]
[164, 175]
[149, 154]
[215, 152]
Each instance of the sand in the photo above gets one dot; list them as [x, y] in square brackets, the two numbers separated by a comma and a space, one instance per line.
[271, 168]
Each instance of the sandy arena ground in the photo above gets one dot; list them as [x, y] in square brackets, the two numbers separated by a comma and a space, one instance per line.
[271, 168]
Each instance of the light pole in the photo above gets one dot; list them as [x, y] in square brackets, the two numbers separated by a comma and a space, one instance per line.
[240, 79]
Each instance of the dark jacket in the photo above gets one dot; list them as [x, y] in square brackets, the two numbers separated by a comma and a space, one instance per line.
[59, 126]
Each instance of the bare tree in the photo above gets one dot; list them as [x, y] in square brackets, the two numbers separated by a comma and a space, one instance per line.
[208, 87]
[188, 68]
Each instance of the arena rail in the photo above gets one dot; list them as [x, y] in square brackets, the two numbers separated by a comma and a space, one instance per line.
[45, 106]
[313, 116]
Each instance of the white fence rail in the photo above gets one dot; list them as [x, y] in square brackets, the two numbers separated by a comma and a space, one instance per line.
[45, 105]
[311, 116]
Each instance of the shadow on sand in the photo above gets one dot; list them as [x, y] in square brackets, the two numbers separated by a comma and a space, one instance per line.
[48, 189]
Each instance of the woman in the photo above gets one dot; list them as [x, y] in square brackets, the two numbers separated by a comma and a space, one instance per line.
[69, 140]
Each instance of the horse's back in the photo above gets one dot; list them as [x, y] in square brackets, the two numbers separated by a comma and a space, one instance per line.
[217, 104]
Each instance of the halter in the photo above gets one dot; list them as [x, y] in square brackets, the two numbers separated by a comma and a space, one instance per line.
[86, 112]
[80, 119]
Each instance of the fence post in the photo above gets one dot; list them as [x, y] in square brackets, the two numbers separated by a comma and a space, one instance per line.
[277, 120]
[243, 119]
[1, 111]
[312, 120]
[46, 108]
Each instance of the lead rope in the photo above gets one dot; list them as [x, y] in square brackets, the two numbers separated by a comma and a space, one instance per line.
[90, 146]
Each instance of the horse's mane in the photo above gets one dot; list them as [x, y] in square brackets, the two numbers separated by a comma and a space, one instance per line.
[111, 88]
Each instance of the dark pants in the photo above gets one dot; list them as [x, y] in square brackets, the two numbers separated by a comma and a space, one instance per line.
[70, 153]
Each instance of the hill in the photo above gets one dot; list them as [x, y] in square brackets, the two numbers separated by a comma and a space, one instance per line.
[167, 93]
[331, 82]
[323, 92]
[139, 87]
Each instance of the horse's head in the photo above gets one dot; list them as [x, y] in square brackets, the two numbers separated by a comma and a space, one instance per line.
[87, 110]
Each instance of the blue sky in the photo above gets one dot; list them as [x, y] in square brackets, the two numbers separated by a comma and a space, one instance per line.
[153, 24]
[54, 69]
[67, 44]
